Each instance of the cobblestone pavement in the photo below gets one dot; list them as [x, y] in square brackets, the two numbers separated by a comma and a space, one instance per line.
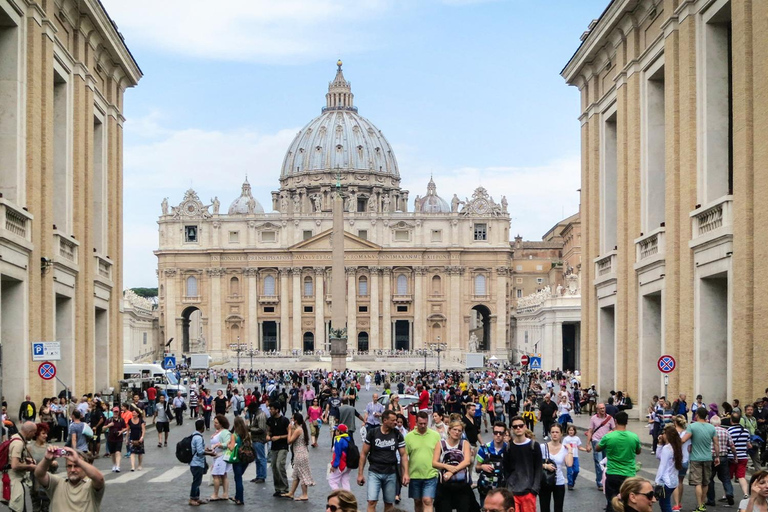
[164, 483]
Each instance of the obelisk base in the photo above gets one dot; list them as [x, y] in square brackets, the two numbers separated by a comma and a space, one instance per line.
[338, 354]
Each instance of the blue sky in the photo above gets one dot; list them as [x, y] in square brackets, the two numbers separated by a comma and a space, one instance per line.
[467, 90]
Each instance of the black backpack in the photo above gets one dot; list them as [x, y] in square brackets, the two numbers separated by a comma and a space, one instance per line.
[184, 448]
[353, 455]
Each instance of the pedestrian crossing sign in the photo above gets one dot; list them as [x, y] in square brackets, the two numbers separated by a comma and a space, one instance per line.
[169, 362]
[535, 363]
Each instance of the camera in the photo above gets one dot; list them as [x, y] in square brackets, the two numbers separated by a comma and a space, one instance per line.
[60, 452]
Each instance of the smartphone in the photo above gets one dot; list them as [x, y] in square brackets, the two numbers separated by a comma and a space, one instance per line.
[60, 452]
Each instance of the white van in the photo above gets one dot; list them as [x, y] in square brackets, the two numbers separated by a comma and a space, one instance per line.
[165, 379]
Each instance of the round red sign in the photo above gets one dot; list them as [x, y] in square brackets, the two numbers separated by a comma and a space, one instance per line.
[524, 360]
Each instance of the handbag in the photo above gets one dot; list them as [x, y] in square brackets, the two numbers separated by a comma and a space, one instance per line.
[246, 454]
[231, 455]
[659, 491]
[549, 477]
[87, 430]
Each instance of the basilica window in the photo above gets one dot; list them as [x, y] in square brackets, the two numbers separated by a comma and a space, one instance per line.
[307, 234]
[190, 234]
[363, 233]
[402, 235]
[480, 288]
[481, 232]
[268, 236]
[191, 286]
[436, 285]
[437, 235]
[362, 286]
[269, 286]
[402, 284]
[308, 288]
[519, 293]
[234, 286]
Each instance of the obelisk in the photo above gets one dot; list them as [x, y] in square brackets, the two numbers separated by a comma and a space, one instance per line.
[338, 285]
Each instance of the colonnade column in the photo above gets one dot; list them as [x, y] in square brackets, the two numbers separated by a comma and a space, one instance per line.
[455, 318]
[253, 306]
[374, 338]
[557, 346]
[319, 309]
[419, 319]
[499, 338]
[285, 313]
[217, 337]
[171, 308]
[297, 294]
[351, 308]
[386, 312]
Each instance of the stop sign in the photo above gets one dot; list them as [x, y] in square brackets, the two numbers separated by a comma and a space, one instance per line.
[524, 360]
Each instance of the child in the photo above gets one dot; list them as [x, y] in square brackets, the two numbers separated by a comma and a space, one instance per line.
[573, 440]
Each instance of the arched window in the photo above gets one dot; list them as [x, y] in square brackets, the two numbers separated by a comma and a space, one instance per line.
[480, 285]
[362, 342]
[436, 285]
[362, 286]
[234, 333]
[191, 286]
[308, 289]
[269, 286]
[402, 285]
[234, 286]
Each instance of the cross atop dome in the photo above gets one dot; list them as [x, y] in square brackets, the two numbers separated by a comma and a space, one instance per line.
[339, 96]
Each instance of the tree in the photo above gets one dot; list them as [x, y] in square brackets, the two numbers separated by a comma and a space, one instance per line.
[147, 293]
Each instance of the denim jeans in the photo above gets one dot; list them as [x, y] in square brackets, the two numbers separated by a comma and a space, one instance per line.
[238, 469]
[723, 474]
[197, 479]
[665, 504]
[573, 472]
[598, 456]
[261, 460]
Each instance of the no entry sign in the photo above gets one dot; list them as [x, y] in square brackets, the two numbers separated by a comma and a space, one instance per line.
[666, 364]
[524, 360]
[47, 370]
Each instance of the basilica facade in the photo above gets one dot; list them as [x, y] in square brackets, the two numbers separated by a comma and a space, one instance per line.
[261, 280]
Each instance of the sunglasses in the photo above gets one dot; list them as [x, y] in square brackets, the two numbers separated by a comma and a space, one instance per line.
[518, 426]
[332, 508]
[497, 433]
[650, 495]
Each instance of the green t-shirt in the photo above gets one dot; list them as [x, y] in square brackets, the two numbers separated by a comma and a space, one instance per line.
[420, 449]
[701, 441]
[620, 446]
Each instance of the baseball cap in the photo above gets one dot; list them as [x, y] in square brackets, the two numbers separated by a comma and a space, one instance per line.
[115, 409]
[342, 428]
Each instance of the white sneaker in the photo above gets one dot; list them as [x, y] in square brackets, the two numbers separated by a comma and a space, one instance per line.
[117, 470]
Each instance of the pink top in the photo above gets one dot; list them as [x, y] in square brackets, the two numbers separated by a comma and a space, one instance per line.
[309, 394]
[314, 413]
[599, 431]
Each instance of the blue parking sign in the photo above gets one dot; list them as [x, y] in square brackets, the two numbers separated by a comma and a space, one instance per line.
[169, 362]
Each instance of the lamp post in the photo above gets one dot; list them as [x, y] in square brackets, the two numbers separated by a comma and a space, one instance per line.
[237, 347]
[438, 347]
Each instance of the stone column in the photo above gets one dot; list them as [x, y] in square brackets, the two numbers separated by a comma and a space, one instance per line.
[252, 280]
[351, 308]
[374, 338]
[386, 309]
[297, 295]
[419, 313]
[557, 346]
[285, 312]
[217, 336]
[455, 319]
[499, 337]
[319, 309]
[171, 308]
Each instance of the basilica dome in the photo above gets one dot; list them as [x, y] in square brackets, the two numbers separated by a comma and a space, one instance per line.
[246, 203]
[432, 203]
[340, 139]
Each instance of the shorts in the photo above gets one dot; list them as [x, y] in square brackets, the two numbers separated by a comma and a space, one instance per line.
[385, 483]
[163, 426]
[701, 472]
[683, 471]
[525, 503]
[420, 488]
[115, 446]
[738, 468]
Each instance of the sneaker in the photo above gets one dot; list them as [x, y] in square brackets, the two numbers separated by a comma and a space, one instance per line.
[724, 499]
[676, 507]
[730, 500]
[117, 470]
[701, 508]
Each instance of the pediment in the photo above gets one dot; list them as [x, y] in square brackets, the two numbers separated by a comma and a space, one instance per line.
[323, 242]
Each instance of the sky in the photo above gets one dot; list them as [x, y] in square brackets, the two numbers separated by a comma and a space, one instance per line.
[468, 91]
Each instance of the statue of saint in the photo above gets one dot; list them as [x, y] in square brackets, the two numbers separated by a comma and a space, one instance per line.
[318, 200]
[386, 203]
[296, 204]
[372, 204]
[216, 204]
[455, 202]
[417, 204]
[283, 204]
[473, 343]
[504, 204]
[164, 206]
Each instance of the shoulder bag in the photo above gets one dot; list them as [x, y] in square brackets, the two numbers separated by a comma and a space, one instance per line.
[549, 477]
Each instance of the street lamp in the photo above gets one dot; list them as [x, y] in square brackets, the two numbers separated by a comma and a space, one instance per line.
[438, 347]
[237, 347]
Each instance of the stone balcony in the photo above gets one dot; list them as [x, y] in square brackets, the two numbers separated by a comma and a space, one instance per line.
[103, 268]
[15, 224]
[269, 299]
[403, 298]
[605, 268]
[191, 299]
[650, 248]
[67, 251]
[712, 224]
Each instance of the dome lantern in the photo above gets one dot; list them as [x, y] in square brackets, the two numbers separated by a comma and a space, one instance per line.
[245, 204]
[339, 96]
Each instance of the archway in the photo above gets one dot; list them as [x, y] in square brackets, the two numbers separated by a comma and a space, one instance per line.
[191, 328]
[309, 342]
[362, 342]
[480, 326]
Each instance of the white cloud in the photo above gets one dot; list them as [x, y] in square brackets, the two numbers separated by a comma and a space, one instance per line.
[249, 30]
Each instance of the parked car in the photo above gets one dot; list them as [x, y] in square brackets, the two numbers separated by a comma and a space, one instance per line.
[405, 400]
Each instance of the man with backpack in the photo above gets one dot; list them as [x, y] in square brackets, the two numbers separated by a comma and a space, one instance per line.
[27, 411]
[14, 452]
[162, 420]
[197, 463]
[238, 402]
[258, 428]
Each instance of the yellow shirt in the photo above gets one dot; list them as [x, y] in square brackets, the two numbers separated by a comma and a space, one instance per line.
[463, 386]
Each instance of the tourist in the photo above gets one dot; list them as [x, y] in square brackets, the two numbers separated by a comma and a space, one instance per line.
[523, 467]
[742, 441]
[163, 414]
[489, 462]
[277, 434]
[341, 501]
[574, 441]
[499, 500]
[298, 439]
[314, 416]
[136, 430]
[258, 431]
[197, 466]
[547, 414]
[702, 435]
[338, 477]
[757, 501]
[681, 426]
[83, 489]
[220, 468]
[380, 449]
[621, 448]
[451, 458]
[670, 463]
[556, 457]
[420, 446]
[722, 470]
[599, 424]
[636, 495]
[21, 466]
